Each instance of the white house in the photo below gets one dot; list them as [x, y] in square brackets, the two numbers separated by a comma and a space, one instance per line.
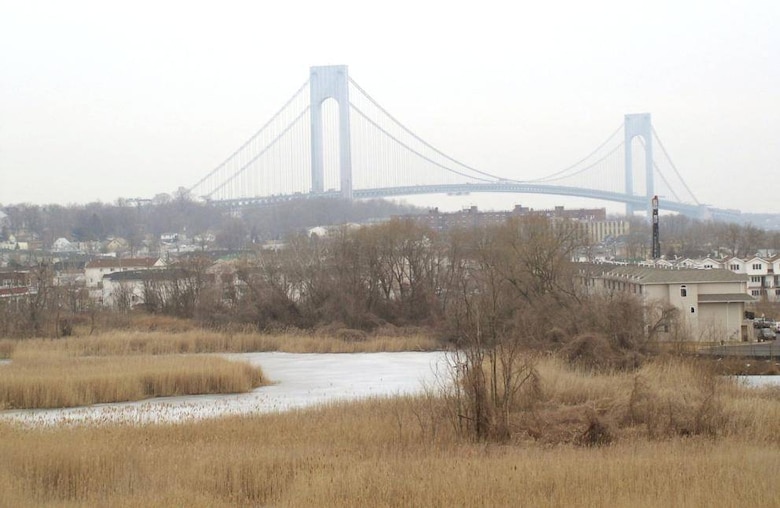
[95, 270]
[763, 275]
[63, 245]
[130, 288]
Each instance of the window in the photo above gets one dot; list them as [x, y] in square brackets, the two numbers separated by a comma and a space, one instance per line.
[734, 267]
[707, 266]
[693, 310]
[756, 266]
[683, 291]
[755, 292]
[755, 278]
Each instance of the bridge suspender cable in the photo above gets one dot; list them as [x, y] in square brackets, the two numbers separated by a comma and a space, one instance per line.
[581, 170]
[418, 138]
[412, 150]
[260, 154]
[564, 170]
[252, 138]
[663, 177]
[674, 167]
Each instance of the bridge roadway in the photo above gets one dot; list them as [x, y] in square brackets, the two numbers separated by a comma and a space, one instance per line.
[637, 202]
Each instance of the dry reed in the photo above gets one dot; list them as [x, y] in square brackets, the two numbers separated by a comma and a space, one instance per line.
[48, 379]
[372, 453]
[121, 342]
[405, 452]
[7, 347]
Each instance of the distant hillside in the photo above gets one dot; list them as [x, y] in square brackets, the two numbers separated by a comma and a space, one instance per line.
[273, 222]
[766, 221]
[138, 221]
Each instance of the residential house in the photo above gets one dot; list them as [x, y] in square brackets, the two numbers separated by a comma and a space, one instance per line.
[95, 270]
[116, 244]
[130, 288]
[63, 245]
[16, 284]
[763, 275]
[13, 244]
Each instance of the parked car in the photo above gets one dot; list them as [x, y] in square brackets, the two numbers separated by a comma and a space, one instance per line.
[765, 334]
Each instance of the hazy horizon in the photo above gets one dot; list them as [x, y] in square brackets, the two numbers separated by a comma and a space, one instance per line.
[100, 101]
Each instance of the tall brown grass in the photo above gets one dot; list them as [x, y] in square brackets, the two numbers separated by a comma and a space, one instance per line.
[124, 365]
[126, 342]
[404, 452]
[48, 379]
[372, 453]
[7, 347]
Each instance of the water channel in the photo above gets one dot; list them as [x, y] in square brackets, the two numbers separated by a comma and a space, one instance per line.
[300, 380]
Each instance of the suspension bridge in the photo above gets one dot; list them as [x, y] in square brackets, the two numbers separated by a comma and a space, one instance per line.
[331, 138]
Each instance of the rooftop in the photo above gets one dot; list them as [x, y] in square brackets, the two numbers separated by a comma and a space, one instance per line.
[122, 263]
[649, 275]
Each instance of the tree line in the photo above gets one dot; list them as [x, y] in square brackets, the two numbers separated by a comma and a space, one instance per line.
[139, 222]
[685, 237]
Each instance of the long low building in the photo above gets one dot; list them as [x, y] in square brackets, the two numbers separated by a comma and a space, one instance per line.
[590, 223]
[710, 303]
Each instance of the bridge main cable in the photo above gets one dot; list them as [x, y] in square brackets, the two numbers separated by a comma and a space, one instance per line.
[418, 138]
[663, 149]
[564, 170]
[422, 156]
[252, 138]
[579, 171]
[261, 153]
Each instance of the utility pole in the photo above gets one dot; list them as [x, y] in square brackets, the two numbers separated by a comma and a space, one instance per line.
[656, 239]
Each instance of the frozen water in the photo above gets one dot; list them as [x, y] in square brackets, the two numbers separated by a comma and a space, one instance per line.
[760, 381]
[300, 380]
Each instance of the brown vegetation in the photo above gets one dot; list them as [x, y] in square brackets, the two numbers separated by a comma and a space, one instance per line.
[126, 342]
[568, 383]
[49, 378]
[664, 435]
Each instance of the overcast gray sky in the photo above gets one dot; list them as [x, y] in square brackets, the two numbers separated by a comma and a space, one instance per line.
[100, 100]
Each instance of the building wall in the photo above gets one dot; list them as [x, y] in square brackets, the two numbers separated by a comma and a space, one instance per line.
[94, 275]
[721, 320]
[702, 321]
[112, 290]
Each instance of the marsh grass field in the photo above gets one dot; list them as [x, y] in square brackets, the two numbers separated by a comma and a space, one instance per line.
[120, 366]
[676, 435]
[52, 380]
[372, 453]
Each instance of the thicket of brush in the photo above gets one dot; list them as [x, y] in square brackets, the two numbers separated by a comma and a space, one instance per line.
[676, 436]
[395, 274]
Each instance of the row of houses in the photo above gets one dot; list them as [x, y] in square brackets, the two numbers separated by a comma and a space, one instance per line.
[762, 273]
[16, 284]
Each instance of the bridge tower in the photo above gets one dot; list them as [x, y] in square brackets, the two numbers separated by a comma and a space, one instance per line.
[639, 125]
[330, 82]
